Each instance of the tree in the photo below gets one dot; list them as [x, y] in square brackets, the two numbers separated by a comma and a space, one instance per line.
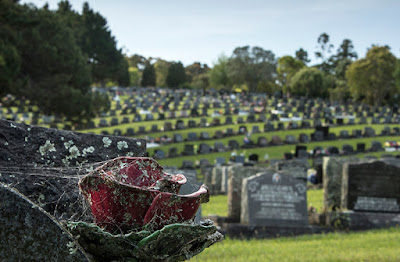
[95, 40]
[218, 75]
[194, 70]
[309, 82]
[161, 66]
[371, 79]
[302, 55]
[250, 67]
[134, 76]
[324, 49]
[176, 75]
[287, 68]
[149, 75]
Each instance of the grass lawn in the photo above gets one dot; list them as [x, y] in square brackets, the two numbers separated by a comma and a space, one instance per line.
[374, 245]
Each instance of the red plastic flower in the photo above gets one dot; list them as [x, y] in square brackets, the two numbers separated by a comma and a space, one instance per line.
[127, 193]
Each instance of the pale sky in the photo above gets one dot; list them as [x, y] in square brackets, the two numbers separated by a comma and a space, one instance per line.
[200, 31]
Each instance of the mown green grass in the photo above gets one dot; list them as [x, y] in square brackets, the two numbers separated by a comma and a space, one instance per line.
[218, 204]
[374, 245]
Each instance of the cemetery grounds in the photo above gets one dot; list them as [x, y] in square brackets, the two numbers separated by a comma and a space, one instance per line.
[374, 245]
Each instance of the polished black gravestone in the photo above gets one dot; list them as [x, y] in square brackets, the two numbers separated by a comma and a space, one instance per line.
[371, 186]
[275, 200]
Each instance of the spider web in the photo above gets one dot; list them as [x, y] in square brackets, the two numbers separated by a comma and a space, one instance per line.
[56, 190]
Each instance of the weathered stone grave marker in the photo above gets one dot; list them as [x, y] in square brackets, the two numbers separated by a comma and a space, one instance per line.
[272, 199]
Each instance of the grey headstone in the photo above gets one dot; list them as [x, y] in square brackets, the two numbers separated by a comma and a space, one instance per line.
[235, 176]
[296, 168]
[274, 200]
[332, 170]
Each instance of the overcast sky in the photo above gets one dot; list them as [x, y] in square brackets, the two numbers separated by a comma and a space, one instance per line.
[201, 30]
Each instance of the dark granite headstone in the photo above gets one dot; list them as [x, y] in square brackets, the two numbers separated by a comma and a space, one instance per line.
[255, 130]
[172, 152]
[117, 132]
[290, 139]
[103, 123]
[178, 138]
[218, 134]
[304, 138]
[188, 150]
[125, 120]
[269, 127]
[192, 136]
[262, 141]
[344, 134]
[114, 121]
[180, 124]
[276, 140]
[204, 135]
[347, 149]
[130, 132]
[228, 120]
[142, 130]
[219, 147]
[159, 154]
[371, 186]
[272, 199]
[204, 149]
[167, 126]
[253, 158]
[360, 147]
[376, 146]
[233, 145]
[229, 132]
[369, 132]
[192, 124]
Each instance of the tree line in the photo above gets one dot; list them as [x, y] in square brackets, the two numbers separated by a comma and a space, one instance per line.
[52, 58]
[338, 75]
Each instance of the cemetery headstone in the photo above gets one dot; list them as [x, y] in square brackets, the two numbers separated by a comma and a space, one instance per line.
[233, 145]
[272, 199]
[172, 152]
[332, 169]
[204, 149]
[219, 147]
[359, 195]
[236, 174]
[304, 138]
[188, 150]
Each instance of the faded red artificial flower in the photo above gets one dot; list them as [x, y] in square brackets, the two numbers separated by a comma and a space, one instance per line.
[132, 192]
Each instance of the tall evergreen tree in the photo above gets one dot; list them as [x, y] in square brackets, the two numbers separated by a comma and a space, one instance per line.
[149, 75]
[176, 75]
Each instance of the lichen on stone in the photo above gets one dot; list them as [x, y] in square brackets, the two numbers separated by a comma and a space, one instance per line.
[68, 144]
[107, 141]
[87, 150]
[46, 148]
[122, 144]
[74, 151]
